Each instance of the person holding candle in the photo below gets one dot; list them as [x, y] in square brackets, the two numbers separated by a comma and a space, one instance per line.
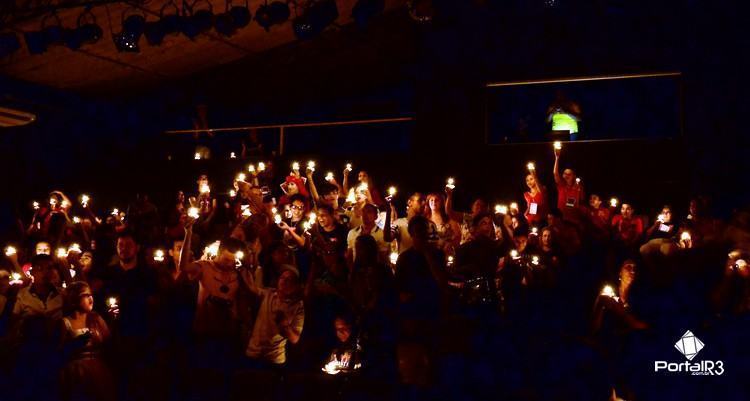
[599, 217]
[84, 332]
[448, 230]
[570, 192]
[535, 197]
[368, 227]
[627, 229]
[414, 207]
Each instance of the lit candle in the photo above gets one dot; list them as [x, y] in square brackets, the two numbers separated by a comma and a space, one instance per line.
[112, 302]
[312, 217]
[578, 180]
[613, 202]
[241, 177]
[450, 183]
[197, 156]
[514, 254]
[277, 219]
[62, 252]
[348, 167]
[212, 250]
[158, 255]
[35, 205]
[660, 218]
[10, 251]
[329, 176]
[53, 201]
[274, 210]
[115, 212]
[501, 209]
[251, 168]
[514, 206]
[76, 219]
[261, 166]
[350, 196]
[608, 291]
[531, 166]
[295, 166]
[204, 188]
[74, 248]
[311, 165]
[394, 258]
[534, 231]
[232, 193]
[247, 213]
[450, 260]
[193, 212]
[232, 156]
[557, 145]
[685, 236]
[740, 264]
[16, 278]
[85, 200]
[306, 225]
[535, 260]
[65, 204]
[392, 191]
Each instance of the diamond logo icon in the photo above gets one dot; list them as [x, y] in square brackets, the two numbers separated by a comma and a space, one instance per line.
[689, 345]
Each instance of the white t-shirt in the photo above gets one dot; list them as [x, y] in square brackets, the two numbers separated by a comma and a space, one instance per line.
[376, 233]
[267, 343]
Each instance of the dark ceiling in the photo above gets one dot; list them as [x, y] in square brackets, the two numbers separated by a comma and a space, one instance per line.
[99, 69]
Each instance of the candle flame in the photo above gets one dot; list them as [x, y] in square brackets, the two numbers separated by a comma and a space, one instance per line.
[530, 166]
[261, 166]
[193, 212]
[392, 191]
[394, 258]
[10, 251]
[557, 145]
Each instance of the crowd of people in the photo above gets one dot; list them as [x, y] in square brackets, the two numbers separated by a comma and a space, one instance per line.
[324, 290]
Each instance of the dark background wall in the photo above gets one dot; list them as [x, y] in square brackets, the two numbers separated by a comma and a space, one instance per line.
[115, 145]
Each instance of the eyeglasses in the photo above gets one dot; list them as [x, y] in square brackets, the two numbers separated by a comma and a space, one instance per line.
[295, 207]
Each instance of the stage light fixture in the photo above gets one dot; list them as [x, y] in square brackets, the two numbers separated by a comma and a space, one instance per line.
[275, 13]
[365, 10]
[9, 44]
[132, 29]
[155, 31]
[198, 21]
[315, 18]
[234, 18]
[39, 41]
[87, 31]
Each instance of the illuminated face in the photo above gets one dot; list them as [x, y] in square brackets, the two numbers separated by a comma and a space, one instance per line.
[667, 213]
[343, 330]
[415, 204]
[693, 209]
[287, 284]
[362, 176]
[127, 249]
[546, 238]
[324, 218]
[530, 181]
[291, 188]
[485, 228]
[569, 176]
[479, 206]
[369, 215]
[86, 300]
[520, 241]
[86, 261]
[298, 210]
[332, 198]
[595, 201]
[175, 252]
[42, 248]
[626, 210]
[435, 203]
[225, 259]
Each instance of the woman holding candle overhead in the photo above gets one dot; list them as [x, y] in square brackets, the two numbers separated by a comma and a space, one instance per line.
[536, 198]
[448, 230]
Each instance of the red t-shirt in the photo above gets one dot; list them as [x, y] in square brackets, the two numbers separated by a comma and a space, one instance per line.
[627, 230]
[536, 207]
[568, 197]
